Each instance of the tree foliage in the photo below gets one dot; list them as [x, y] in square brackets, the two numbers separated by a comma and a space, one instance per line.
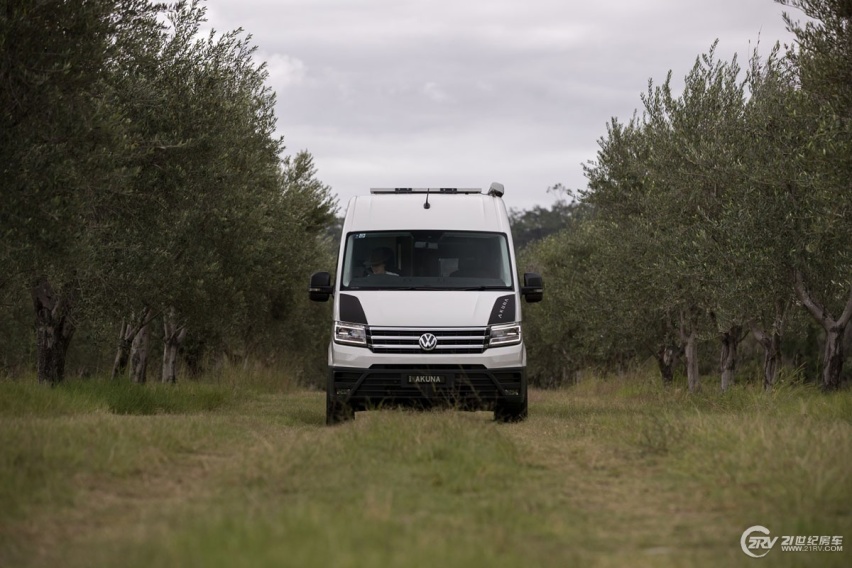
[143, 175]
[719, 209]
[529, 225]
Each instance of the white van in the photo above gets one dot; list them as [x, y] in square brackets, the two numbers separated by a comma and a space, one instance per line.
[427, 305]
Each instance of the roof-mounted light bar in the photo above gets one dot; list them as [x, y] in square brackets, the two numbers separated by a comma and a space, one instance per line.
[425, 190]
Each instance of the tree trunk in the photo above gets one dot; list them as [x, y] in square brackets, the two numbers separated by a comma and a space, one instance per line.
[693, 379]
[728, 359]
[139, 355]
[771, 344]
[54, 329]
[832, 360]
[666, 358]
[173, 336]
[192, 354]
[127, 334]
[690, 347]
[122, 351]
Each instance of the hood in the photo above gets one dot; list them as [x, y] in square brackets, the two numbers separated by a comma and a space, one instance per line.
[422, 308]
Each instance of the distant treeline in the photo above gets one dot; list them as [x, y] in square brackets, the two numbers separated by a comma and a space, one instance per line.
[718, 214]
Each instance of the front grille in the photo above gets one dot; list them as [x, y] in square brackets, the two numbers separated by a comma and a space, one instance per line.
[406, 339]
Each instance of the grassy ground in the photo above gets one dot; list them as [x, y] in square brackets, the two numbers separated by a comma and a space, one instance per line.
[608, 473]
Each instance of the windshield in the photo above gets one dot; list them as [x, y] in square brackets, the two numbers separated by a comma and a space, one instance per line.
[426, 260]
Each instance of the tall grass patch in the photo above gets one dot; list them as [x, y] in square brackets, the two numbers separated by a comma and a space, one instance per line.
[780, 459]
[49, 461]
[28, 398]
[255, 376]
[55, 440]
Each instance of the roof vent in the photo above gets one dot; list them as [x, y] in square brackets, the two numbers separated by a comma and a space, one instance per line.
[496, 190]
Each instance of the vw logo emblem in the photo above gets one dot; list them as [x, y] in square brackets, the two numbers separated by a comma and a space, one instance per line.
[428, 341]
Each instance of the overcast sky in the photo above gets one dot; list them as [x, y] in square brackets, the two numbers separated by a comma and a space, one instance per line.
[455, 93]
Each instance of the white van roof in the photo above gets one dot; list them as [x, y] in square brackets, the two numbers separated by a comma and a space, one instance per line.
[388, 210]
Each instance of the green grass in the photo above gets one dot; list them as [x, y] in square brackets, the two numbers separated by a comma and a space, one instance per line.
[92, 396]
[608, 473]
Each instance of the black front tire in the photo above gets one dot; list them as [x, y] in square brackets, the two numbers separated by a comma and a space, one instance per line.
[505, 411]
[337, 411]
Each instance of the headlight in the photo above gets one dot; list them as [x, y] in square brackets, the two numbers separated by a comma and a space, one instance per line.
[501, 335]
[350, 333]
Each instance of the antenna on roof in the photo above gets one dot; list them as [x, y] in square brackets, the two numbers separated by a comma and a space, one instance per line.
[426, 205]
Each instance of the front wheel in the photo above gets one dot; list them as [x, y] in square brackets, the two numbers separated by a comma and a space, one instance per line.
[505, 411]
[336, 411]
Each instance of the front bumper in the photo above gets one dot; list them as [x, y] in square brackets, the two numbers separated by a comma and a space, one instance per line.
[468, 386]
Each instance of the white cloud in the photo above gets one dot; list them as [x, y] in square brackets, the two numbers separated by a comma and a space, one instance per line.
[435, 93]
[284, 70]
[423, 92]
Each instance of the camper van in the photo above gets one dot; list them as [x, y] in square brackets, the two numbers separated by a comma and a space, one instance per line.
[427, 305]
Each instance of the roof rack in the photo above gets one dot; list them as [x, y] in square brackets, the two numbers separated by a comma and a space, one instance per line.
[425, 190]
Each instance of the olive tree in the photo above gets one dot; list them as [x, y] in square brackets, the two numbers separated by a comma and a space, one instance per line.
[637, 313]
[220, 217]
[821, 254]
[62, 147]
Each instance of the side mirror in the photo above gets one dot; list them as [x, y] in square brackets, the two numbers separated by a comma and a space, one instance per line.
[533, 288]
[320, 288]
